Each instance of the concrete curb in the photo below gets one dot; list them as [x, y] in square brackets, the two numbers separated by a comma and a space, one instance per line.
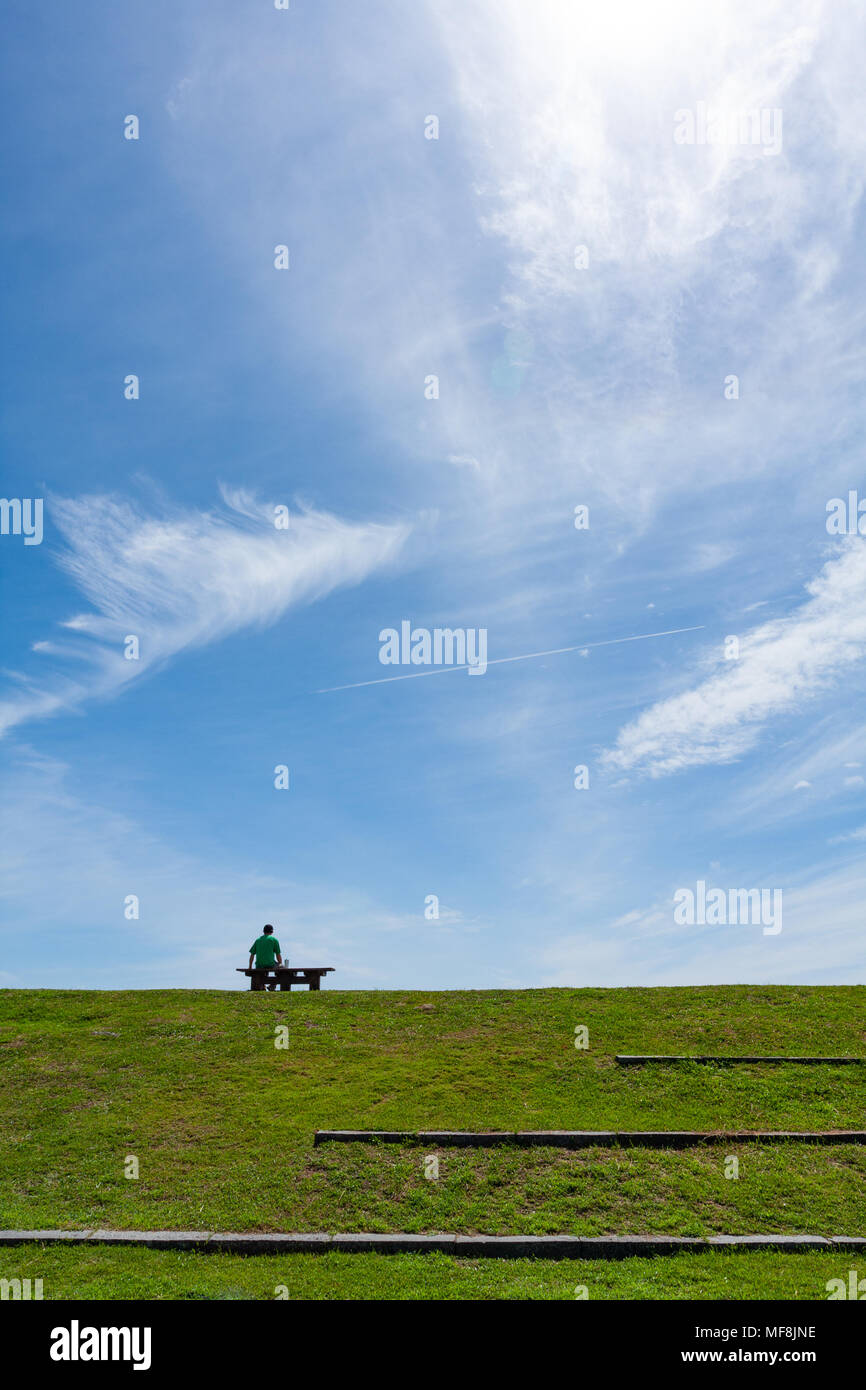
[584, 1138]
[400, 1243]
[395, 1244]
[626, 1060]
[263, 1243]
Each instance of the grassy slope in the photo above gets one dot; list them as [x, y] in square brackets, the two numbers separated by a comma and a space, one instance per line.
[222, 1121]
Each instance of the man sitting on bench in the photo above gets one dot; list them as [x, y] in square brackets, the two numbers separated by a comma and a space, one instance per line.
[265, 949]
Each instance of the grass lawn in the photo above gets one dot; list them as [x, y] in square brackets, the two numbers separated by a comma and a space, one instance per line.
[221, 1122]
[120, 1273]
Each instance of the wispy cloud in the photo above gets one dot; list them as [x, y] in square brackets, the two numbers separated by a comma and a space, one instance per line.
[782, 665]
[560, 118]
[567, 118]
[184, 580]
[858, 834]
[567, 144]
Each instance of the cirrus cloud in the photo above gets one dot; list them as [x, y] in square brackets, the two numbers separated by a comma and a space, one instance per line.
[184, 580]
[782, 665]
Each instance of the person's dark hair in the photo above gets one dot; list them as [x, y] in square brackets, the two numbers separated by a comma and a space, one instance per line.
[269, 928]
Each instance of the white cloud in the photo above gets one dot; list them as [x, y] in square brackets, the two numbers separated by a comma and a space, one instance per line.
[188, 579]
[782, 665]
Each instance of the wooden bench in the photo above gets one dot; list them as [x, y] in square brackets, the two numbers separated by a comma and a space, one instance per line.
[286, 975]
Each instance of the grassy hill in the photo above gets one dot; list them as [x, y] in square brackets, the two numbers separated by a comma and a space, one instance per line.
[222, 1121]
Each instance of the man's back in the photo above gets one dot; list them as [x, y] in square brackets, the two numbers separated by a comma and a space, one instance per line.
[265, 949]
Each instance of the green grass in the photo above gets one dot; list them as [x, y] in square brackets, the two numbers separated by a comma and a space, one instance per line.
[119, 1273]
[221, 1121]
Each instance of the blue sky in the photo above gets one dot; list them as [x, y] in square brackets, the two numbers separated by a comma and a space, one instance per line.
[565, 379]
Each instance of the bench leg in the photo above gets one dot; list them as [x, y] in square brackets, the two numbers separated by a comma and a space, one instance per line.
[286, 984]
[256, 982]
[315, 982]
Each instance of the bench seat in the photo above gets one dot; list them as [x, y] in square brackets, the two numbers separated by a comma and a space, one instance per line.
[286, 975]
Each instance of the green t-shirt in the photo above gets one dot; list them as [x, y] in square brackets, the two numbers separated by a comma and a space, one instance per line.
[265, 949]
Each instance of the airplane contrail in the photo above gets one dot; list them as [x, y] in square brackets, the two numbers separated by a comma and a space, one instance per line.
[501, 660]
